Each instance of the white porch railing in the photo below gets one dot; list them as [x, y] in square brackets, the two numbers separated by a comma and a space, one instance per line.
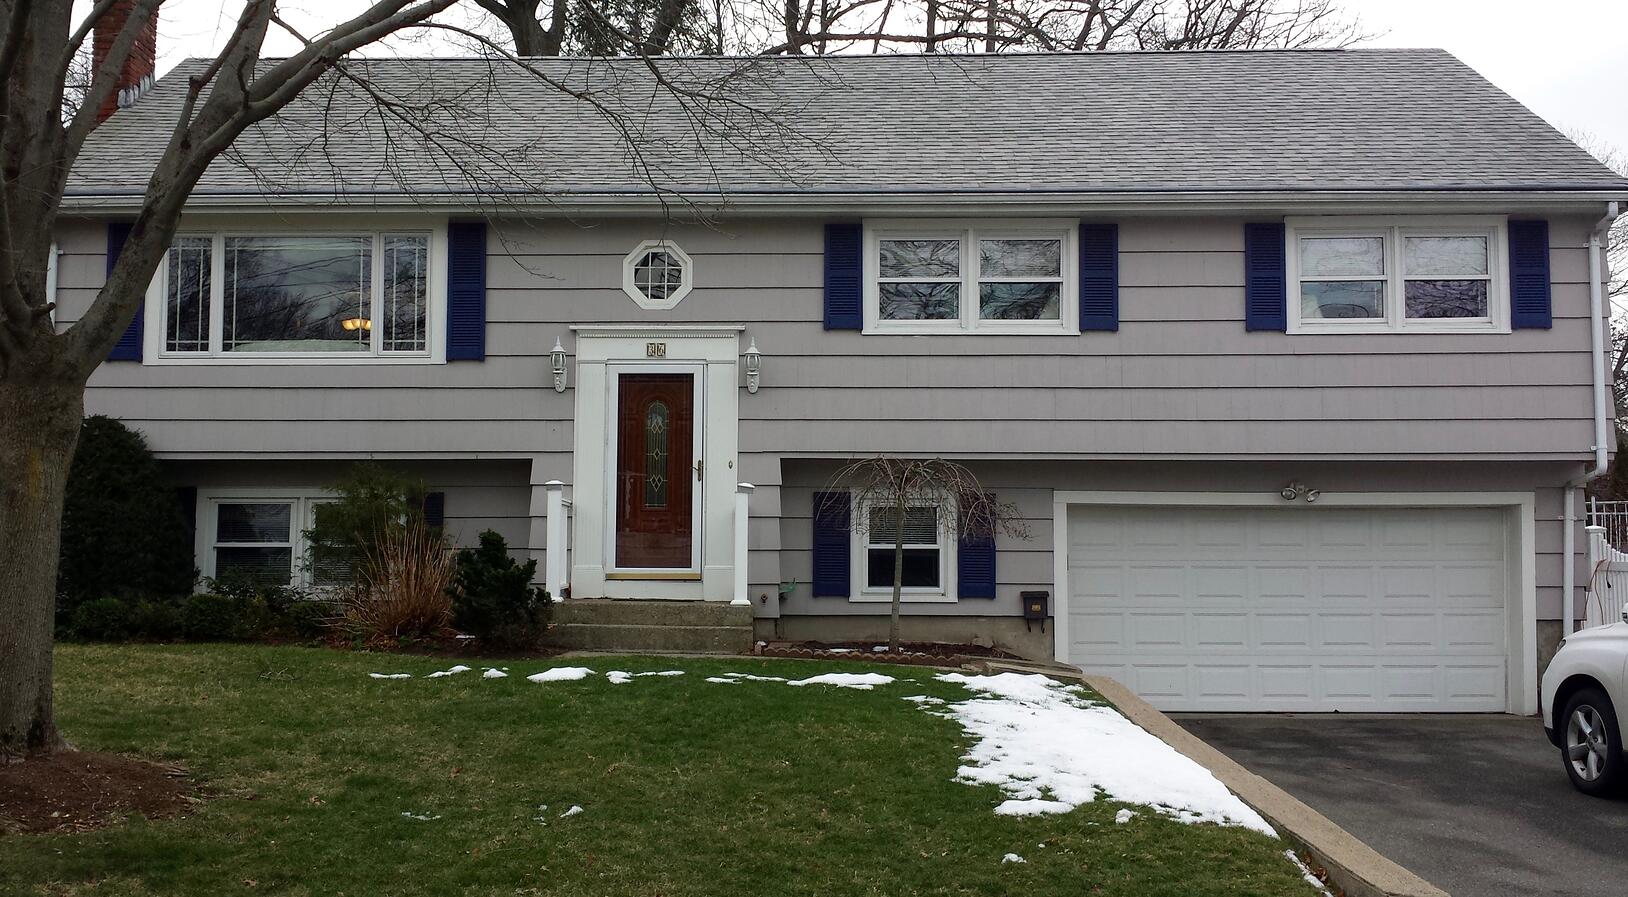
[557, 551]
[1613, 517]
[1607, 581]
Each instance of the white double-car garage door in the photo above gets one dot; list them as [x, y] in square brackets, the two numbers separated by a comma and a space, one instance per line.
[1293, 608]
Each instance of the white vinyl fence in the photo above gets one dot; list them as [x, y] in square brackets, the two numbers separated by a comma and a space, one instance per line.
[1607, 581]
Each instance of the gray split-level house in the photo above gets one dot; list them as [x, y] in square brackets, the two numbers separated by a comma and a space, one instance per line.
[1291, 361]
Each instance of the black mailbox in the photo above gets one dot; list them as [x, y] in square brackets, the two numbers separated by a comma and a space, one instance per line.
[1036, 606]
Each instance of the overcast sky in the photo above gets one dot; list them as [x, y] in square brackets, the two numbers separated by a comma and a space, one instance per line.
[1566, 59]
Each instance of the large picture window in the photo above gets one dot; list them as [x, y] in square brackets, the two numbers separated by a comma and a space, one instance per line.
[298, 296]
[1401, 275]
[1012, 277]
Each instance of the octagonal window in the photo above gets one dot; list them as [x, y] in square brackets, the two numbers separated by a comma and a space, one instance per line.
[657, 274]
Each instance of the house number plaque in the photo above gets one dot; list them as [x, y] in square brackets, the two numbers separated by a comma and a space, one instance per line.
[655, 350]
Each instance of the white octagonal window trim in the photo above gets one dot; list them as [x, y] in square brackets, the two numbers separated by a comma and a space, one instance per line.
[657, 274]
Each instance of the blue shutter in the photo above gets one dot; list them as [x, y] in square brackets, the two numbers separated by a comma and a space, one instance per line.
[466, 291]
[844, 274]
[1529, 298]
[435, 509]
[1265, 280]
[1099, 276]
[832, 546]
[128, 348]
[975, 560]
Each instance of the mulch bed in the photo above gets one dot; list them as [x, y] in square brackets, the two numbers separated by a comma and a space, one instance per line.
[934, 654]
[79, 790]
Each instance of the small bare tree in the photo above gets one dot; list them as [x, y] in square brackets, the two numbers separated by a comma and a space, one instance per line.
[892, 486]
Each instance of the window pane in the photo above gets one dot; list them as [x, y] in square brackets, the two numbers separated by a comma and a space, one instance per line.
[253, 522]
[920, 525]
[921, 258]
[186, 301]
[920, 568]
[1342, 299]
[406, 293]
[919, 301]
[1019, 301]
[1445, 255]
[1020, 258]
[658, 274]
[268, 566]
[1446, 299]
[1341, 256]
[298, 294]
[330, 565]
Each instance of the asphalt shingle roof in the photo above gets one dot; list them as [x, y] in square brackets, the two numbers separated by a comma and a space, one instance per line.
[1266, 121]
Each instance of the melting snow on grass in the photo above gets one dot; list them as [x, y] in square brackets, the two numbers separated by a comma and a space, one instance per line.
[421, 817]
[561, 674]
[1013, 858]
[390, 675]
[622, 677]
[1305, 872]
[494, 673]
[450, 671]
[863, 681]
[1050, 750]
[571, 812]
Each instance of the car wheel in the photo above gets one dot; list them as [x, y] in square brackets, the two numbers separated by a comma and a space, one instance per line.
[1591, 743]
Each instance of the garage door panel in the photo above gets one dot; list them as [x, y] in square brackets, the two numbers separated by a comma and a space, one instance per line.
[1369, 609]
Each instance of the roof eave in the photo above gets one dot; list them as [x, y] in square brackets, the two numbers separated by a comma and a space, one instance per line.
[864, 202]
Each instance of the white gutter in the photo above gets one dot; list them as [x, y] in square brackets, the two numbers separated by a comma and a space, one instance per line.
[1600, 322]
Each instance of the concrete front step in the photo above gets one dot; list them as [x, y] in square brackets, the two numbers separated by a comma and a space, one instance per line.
[613, 624]
[652, 612]
[637, 638]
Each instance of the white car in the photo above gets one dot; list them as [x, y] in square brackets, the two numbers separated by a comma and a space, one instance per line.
[1583, 688]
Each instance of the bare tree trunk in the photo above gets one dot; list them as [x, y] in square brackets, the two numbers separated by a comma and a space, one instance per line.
[900, 507]
[39, 427]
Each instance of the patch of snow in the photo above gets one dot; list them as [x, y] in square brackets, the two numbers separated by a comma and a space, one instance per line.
[1050, 750]
[863, 681]
[749, 677]
[421, 817]
[494, 674]
[390, 675]
[840, 650]
[618, 677]
[723, 681]
[662, 673]
[561, 674]
[1033, 806]
[571, 812]
[1124, 816]
[1013, 858]
[1306, 873]
[924, 700]
[879, 649]
[449, 671]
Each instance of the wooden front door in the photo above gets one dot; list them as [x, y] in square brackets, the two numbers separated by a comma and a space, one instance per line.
[655, 471]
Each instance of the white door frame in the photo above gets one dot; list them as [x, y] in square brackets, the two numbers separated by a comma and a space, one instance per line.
[604, 351]
[1521, 678]
[613, 416]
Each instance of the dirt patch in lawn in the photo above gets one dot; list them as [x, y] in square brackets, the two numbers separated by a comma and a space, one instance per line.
[79, 790]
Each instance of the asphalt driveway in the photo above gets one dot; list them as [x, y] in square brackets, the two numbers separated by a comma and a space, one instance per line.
[1478, 805]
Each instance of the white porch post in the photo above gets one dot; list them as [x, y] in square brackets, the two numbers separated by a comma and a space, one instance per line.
[743, 496]
[554, 558]
[1594, 604]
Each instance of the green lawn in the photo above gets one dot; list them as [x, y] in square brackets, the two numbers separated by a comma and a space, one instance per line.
[688, 788]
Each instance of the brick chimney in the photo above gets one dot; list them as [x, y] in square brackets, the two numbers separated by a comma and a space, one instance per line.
[139, 68]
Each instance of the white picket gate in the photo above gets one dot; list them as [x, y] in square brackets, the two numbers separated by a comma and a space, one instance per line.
[1607, 581]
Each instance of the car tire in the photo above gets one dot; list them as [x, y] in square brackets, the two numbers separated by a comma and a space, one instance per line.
[1591, 744]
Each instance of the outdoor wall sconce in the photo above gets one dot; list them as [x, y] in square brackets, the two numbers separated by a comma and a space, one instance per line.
[1034, 608]
[556, 357]
[754, 366]
[1297, 491]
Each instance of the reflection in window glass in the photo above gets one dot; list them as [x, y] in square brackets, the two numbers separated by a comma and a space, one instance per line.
[658, 275]
[406, 302]
[298, 294]
[187, 295]
[922, 567]
[1341, 256]
[1342, 299]
[254, 542]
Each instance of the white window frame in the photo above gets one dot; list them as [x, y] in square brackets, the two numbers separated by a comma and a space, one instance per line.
[154, 352]
[686, 279]
[861, 592]
[1393, 230]
[969, 232]
[302, 517]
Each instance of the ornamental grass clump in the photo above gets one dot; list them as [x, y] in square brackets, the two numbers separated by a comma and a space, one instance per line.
[400, 590]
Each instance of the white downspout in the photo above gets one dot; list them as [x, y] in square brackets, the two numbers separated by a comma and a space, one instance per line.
[1600, 322]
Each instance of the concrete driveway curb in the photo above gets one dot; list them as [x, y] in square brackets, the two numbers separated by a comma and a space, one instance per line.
[1355, 867]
